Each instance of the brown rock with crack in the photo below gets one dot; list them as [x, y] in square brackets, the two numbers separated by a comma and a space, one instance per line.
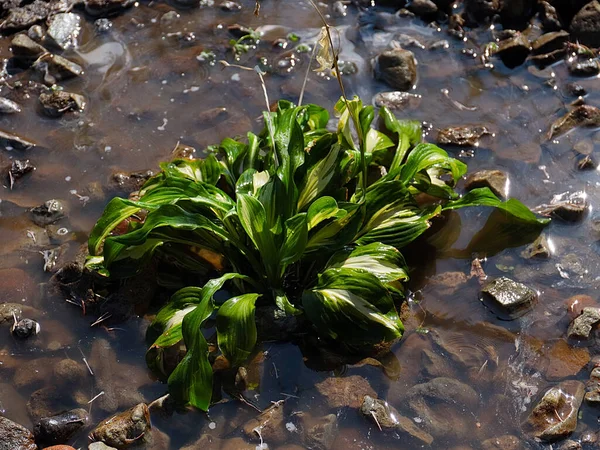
[345, 391]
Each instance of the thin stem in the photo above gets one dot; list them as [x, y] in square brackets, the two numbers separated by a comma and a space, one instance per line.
[312, 57]
[268, 115]
[355, 120]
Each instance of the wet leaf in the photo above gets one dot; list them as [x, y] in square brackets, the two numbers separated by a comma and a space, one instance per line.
[236, 328]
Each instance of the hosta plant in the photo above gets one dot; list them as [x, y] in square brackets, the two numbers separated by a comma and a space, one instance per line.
[306, 218]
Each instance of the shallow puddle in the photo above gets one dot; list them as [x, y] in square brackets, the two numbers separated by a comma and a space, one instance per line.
[148, 86]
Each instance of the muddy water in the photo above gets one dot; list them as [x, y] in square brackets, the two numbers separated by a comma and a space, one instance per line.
[146, 90]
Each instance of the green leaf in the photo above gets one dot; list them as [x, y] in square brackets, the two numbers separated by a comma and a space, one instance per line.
[318, 177]
[339, 232]
[115, 212]
[485, 197]
[296, 238]
[191, 381]
[283, 303]
[322, 209]
[407, 132]
[426, 156]
[207, 170]
[383, 261]
[236, 328]
[352, 307]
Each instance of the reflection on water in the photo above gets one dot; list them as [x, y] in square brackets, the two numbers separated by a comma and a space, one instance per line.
[147, 89]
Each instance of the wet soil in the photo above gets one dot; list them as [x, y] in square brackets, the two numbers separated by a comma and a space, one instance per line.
[149, 83]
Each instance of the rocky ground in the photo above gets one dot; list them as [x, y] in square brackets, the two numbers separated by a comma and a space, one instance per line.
[505, 361]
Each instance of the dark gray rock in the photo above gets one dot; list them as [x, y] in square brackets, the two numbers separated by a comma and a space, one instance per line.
[570, 207]
[586, 67]
[25, 328]
[318, 433]
[24, 47]
[507, 298]
[14, 436]
[581, 326]
[555, 416]
[549, 17]
[48, 213]
[481, 10]
[59, 429]
[106, 7]
[585, 26]
[397, 68]
[462, 136]
[423, 8]
[580, 116]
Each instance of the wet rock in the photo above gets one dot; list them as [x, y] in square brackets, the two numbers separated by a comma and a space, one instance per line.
[397, 100]
[592, 395]
[26, 48]
[18, 169]
[106, 7]
[268, 426]
[36, 32]
[481, 10]
[207, 441]
[439, 45]
[129, 182]
[566, 361]
[345, 391]
[582, 326]
[25, 328]
[58, 429]
[103, 446]
[506, 442]
[103, 25]
[586, 67]
[11, 141]
[397, 68]
[423, 8]
[462, 136]
[275, 324]
[387, 418]
[570, 207]
[580, 116]
[448, 283]
[507, 298]
[8, 106]
[230, 6]
[585, 26]
[586, 162]
[33, 374]
[50, 212]
[516, 13]
[550, 42]
[555, 416]
[539, 249]
[318, 433]
[69, 371]
[496, 180]
[570, 445]
[56, 68]
[56, 103]
[577, 303]
[25, 16]
[513, 51]
[126, 428]
[14, 436]
[64, 29]
[549, 17]
[443, 405]
[10, 310]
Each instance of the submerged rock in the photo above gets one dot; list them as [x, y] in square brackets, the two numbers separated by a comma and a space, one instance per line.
[9, 310]
[586, 67]
[397, 68]
[463, 136]
[127, 428]
[58, 429]
[318, 433]
[106, 7]
[14, 436]
[18, 169]
[387, 418]
[56, 103]
[581, 326]
[506, 442]
[565, 361]
[549, 17]
[496, 180]
[269, 426]
[550, 42]
[25, 328]
[345, 391]
[555, 416]
[580, 116]
[50, 212]
[507, 298]
[570, 207]
[443, 406]
[538, 249]
[585, 26]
